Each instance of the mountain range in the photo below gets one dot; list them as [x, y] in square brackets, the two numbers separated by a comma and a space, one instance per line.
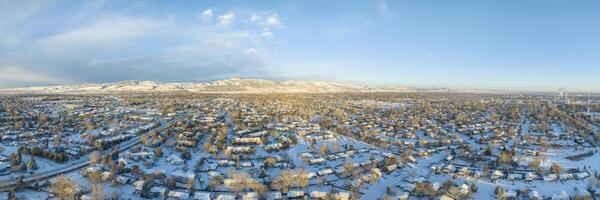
[233, 85]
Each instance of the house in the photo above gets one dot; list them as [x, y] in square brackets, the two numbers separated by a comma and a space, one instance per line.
[564, 177]
[181, 176]
[311, 175]
[88, 170]
[497, 175]
[513, 177]
[339, 170]
[448, 169]
[318, 195]
[229, 182]
[225, 196]
[363, 150]
[250, 196]
[332, 157]
[174, 160]
[247, 140]
[212, 167]
[444, 197]
[306, 155]
[391, 168]
[342, 196]
[295, 194]
[201, 196]
[550, 177]
[138, 185]
[179, 195]
[342, 155]
[509, 194]
[274, 196]
[376, 172]
[316, 161]
[243, 132]
[582, 175]
[464, 189]
[529, 176]
[122, 179]
[246, 164]
[273, 147]
[534, 195]
[464, 171]
[403, 196]
[366, 163]
[105, 175]
[213, 174]
[436, 186]
[325, 172]
[238, 149]
[226, 162]
[158, 191]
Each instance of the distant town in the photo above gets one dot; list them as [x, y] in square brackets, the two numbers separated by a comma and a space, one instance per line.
[341, 146]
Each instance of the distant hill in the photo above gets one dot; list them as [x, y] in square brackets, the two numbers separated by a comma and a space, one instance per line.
[234, 85]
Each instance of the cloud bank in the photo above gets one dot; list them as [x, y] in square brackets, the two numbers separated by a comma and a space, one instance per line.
[101, 44]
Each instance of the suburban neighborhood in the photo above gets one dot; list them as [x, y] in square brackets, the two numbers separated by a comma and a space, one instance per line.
[288, 146]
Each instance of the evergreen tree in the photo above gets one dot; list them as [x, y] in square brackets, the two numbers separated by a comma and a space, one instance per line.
[32, 165]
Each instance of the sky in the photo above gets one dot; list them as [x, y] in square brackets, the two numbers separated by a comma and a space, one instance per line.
[539, 45]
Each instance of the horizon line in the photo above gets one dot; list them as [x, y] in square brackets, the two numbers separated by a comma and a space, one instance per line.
[448, 88]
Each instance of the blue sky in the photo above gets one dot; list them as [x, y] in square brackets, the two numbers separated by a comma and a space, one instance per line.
[504, 44]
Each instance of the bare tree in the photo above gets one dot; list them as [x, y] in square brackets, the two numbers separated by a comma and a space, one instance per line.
[348, 167]
[284, 181]
[270, 162]
[240, 181]
[335, 147]
[144, 139]
[215, 182]
[42, 118]
[95, 157]
[97, 191]
[32, 165]
[191, 182]
[258, 187]
[64, 188]
[323, 149]
[96, 186]
[302, 176]
[556, 168]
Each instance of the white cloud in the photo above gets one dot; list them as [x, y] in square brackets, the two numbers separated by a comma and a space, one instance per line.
[266, 20]
[255, 18]
[207, 15]
[17, 74]
[251, 51]
[226, 19]
[15, 26]
[103, 45]
[267, 34]
[273, 21]
[105, 32]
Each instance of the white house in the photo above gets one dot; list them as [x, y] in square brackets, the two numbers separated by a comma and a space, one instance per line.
[201, 196]
[295, 194]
